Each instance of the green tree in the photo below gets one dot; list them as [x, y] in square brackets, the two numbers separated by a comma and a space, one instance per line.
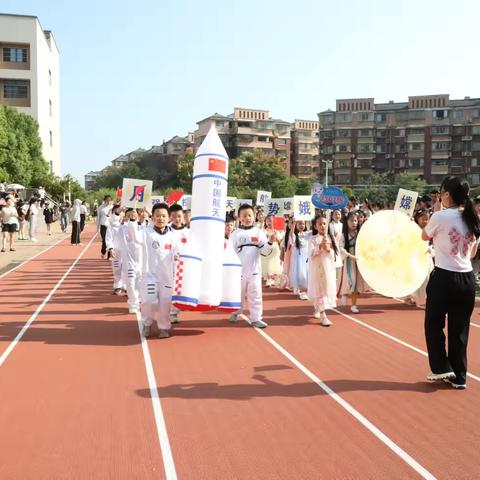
[185, 171]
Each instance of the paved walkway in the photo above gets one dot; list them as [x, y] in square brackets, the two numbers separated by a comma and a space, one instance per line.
[26, 249]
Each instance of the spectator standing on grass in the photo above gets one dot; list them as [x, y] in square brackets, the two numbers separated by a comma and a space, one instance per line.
[49, 217]
[32, 215]
[9, 218]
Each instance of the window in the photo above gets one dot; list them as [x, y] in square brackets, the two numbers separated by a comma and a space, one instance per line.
[474, 179]
[441, 145]
[50, 107]
[365, 147]
[439, 161]
[475, 129]
[458, 130]
[476, 113]
[327, 149]
[220, 124]
[51, 138]
[282, 141]
[440, 130]
[457, 114]
[342, 164]
[326, 134]
[365, 132]
[366, 117]
[415, 131]
[457, 146]
[381, 117]
[263, 139]
[416, 162]
[399, 147]
[326, 119]
[456, 162]
[381, 133]
[342, 148]
[440, 114]
[15, 88]
[343, 117]
[475, 162]
[15, 55]
[401, 116]
[415, 146]
[343, 133]
[381, 148]
[416, 115]
[400, 132]
[476, 146]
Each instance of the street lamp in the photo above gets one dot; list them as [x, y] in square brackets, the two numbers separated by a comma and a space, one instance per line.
[328, 164]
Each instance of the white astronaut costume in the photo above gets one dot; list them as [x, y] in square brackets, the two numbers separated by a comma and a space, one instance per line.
[132, 261]
[249, 243]
[158, 251]
[114, 240]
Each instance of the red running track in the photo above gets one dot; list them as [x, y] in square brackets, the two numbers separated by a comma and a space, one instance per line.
[75, 399]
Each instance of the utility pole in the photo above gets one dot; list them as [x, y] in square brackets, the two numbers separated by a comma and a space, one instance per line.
[328, 164]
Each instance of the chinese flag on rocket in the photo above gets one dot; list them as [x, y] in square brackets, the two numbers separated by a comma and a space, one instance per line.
[217, 165]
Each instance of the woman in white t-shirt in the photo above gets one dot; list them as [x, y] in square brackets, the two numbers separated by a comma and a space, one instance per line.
[9, 217]
[454, 229]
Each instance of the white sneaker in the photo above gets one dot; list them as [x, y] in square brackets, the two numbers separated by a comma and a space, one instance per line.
[163, 334]
[296, 291]
[433, 377]
[317, 314]
[174, 318]
[34, 240]
[133, 309]
[303, 296]
[259, 324]
[268, 283]
[457, 386]
[344, 300]
[354, 309]
[233, 318]
[325, 321]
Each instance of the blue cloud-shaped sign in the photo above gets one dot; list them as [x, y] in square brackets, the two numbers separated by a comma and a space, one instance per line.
[331, 198]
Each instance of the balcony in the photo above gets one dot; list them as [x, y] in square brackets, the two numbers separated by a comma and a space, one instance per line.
[467, 138]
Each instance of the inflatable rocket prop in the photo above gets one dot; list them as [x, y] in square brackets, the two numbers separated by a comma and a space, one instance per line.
[208, 273]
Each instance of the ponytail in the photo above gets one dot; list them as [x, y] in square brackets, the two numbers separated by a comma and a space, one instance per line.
[459, 190]
[470, 217]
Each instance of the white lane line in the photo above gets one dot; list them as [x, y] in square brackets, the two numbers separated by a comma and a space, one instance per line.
[423, 308]
[391, 337]
[32, 258]
[20, 334]
[165, 448]
[355, 413]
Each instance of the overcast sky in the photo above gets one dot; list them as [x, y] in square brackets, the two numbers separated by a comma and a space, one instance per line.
[136, 73]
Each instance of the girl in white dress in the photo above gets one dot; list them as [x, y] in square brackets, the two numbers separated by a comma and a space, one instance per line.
[271, 264]
[299, 259]
[322, 285]
[352, 282]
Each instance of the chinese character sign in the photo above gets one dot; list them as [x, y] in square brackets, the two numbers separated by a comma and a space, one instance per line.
[231, 203]
[263, 197]
[406, 201]
[273, 207]
[136, 193]
[186, 202]
[157, 199]
[303, 208]
[287, 205]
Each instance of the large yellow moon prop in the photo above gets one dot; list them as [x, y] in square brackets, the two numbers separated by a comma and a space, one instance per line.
[392, 257]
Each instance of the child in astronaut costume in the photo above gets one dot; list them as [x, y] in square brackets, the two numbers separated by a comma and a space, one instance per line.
[181, 234]
[250, 242]
[132, 235]
[115, 246]
[159, 249]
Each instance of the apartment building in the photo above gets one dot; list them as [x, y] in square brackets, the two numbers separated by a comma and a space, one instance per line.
[246, 130]
[304, 149]
[29, 78]
[429, 135]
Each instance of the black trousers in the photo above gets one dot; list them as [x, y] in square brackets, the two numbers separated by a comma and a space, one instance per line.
[452, 294]
[103, 233]
[82, 221]
[75, 239]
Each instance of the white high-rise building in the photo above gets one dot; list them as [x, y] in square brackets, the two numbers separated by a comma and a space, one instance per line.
[29, 78]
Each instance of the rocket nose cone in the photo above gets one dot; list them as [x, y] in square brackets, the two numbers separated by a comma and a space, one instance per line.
[212, 144]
